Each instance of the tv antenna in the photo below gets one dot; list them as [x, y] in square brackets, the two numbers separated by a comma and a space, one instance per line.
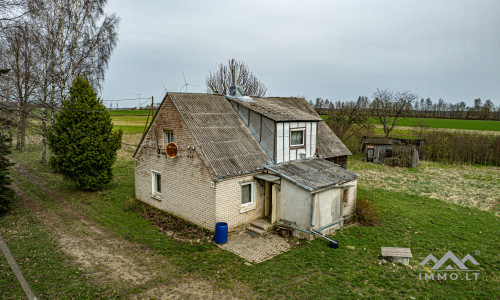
[186, 83]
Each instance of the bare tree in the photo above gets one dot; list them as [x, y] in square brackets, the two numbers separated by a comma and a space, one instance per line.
[67, 39]
[20, 54]
[13, 11]
[347, 119]
[220, 81]
[388, 107]
[78, 41]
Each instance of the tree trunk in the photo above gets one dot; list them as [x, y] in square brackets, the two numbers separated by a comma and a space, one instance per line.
[21, 131]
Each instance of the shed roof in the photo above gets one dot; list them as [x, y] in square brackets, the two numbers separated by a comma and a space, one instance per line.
[328, 144]
[226, 142]
[313, 174]
[281, 109]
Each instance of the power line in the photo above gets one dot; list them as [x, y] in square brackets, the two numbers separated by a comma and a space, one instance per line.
[70, 129]
[130, 99]
[75, 109]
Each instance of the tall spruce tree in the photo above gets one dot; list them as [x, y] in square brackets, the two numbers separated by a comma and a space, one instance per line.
[6, 194]
[82, 142]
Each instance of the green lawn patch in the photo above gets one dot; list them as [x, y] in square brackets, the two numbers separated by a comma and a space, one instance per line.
[444, 123]
[312, 269]
[129, 112]
[48, 270]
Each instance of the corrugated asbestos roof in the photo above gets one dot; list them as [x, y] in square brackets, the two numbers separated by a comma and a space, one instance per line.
[281, 109]
[226, 142]
[313, 174]
[328, 144]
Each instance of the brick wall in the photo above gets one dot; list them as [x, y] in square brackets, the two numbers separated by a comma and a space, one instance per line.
[351, 198]
[228, 206]
[186, 190]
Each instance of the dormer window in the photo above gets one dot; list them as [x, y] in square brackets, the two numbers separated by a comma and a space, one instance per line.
[297, 137]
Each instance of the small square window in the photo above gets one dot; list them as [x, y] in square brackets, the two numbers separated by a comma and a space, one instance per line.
[169, 137]
[156, 182]
[247, 193]
[297, 137]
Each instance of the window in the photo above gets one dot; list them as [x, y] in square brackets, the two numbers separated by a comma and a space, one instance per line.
[169, 137]
[346, 194]
[247, 193]
[156, 182]
[297, 137]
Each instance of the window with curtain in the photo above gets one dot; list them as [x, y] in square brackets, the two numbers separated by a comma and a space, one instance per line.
[246, 193]
[297, 137]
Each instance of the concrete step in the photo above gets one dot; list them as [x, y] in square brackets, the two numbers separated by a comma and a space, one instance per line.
[261, 224]
[256, 230]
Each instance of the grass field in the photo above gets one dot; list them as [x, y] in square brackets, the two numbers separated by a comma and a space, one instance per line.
[446, 123]
[129, 112]
[310, 270]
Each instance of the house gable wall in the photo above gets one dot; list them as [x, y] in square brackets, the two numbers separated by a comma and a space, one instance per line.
[186, 179]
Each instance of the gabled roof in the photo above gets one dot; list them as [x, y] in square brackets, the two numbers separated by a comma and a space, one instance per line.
[328, 144]
[313, 174]
[226, 142]
[280, 109]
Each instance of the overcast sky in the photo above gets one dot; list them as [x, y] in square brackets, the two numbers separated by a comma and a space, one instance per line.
[335, 50]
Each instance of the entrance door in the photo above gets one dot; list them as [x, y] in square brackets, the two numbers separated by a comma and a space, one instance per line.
[270, 201]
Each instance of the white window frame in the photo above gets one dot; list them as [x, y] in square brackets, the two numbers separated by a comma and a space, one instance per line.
[165, 140]
[154, 185]
[303, 137]
[252, 194]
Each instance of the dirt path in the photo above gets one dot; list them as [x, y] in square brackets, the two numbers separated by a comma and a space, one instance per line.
[132, 270]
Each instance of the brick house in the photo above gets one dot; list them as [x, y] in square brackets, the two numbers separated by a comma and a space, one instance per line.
[241, 159]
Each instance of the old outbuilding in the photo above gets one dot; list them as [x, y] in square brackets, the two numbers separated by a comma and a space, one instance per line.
[392, 151]
[240, 159]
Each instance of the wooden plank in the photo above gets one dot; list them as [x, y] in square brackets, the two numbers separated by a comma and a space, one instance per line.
[396, 252]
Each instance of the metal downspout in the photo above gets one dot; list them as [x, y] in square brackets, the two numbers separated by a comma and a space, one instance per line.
[313, 214]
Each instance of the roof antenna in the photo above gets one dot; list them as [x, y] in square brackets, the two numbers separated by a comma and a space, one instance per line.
[234, 75]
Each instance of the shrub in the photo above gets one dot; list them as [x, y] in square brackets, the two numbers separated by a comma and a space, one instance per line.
[82, 142]
[6, 194]
[367, 212]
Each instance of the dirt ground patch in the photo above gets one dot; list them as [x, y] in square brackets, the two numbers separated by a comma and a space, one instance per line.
[473, 186]
[132, 270]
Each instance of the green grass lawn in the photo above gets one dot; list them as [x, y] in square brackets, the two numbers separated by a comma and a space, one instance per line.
[446, 123]
[129, 112]
[47, 269]
[312, 269]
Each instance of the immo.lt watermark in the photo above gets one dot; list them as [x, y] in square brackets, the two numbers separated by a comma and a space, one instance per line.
[443, 269]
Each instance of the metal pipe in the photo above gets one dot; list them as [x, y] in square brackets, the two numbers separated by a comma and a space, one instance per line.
[328, 226]
[295, 227]
[313, 213]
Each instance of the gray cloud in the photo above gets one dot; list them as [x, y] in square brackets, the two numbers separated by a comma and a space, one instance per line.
[330, 49]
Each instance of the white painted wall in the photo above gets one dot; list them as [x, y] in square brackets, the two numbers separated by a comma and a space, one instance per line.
[283, 151]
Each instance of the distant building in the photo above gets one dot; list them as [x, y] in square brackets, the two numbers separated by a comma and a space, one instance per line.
[392, 151]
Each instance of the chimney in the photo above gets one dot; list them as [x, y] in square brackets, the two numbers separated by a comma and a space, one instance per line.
[235, 90]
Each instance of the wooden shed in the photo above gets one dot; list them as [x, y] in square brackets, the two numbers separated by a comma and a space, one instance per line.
[392, 151]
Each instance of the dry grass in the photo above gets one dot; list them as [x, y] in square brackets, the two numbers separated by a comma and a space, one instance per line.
[472, 186]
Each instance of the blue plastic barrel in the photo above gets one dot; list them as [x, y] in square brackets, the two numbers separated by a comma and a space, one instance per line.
[221, 233]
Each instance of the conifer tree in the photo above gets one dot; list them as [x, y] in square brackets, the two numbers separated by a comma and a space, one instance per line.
[82, 141]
